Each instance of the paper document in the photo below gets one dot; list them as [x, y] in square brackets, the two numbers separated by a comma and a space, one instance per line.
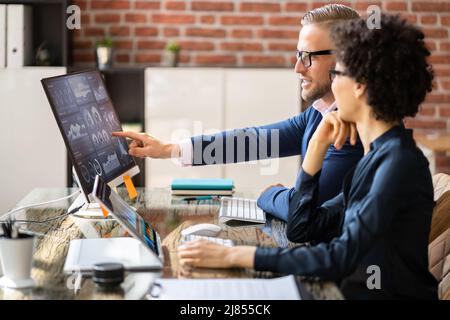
[283, 288]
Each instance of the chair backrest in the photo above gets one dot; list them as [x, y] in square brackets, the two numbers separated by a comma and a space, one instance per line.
[441, 184]
[439, 262]
[441, 216]
[439, 247]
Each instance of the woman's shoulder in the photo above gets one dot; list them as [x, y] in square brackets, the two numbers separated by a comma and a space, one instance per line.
[402, 152]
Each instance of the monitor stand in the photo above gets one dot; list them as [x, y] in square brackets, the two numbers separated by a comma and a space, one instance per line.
[88, 209]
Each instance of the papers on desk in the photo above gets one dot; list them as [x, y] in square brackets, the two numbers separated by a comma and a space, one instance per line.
[283, 288]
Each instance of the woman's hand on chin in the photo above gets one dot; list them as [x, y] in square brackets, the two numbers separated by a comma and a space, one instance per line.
[333, 130]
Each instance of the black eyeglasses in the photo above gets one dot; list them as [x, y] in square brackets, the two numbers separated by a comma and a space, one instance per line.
[333, 73]
[305, 56]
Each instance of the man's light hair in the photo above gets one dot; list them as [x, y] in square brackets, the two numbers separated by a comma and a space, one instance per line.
[329, 14]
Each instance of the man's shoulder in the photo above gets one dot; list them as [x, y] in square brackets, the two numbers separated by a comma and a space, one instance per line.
[308, 114]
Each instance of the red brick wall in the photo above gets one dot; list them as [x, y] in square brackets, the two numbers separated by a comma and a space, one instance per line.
[247, 33]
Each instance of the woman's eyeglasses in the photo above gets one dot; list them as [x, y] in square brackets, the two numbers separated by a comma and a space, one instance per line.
[333, 73]
[305, 56]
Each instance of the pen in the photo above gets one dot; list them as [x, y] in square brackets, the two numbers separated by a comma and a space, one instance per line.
[6, 230]
[9, 229]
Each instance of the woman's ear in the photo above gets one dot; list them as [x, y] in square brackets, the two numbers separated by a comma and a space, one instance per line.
[359, 90]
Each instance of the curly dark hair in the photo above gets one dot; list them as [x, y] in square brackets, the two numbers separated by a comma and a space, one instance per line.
[390, 61]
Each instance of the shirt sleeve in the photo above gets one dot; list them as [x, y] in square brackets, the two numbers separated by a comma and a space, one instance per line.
[306, 221]
[275, 201]
[186, 151]
[280, 139]
[335, 259]
[365, 224]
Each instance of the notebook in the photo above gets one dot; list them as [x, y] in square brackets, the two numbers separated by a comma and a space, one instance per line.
[202, 187]
[284, 288]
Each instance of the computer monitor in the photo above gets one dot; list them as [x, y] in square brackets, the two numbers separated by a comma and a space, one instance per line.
[86, 118]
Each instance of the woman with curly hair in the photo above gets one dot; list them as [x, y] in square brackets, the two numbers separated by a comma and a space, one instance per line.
[381, 220]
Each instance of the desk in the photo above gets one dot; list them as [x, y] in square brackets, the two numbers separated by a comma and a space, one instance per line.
[167, 216]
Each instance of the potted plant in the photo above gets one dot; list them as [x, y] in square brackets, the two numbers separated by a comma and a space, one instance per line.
[171, 54]
[104, 52]
[43, 57]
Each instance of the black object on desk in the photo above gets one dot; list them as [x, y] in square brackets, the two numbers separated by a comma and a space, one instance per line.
[108, 275]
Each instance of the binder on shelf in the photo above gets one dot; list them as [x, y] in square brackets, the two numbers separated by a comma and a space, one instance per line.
[2, 35]
[19, 35]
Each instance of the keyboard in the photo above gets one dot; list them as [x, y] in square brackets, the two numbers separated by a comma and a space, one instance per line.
[240, 211]
[225, 242]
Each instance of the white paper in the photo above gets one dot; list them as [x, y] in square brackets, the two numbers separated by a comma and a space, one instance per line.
[85, 253]
[283, 288]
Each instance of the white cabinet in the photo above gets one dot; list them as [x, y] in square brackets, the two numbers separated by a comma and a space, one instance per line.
[33, 152]
[183, 102]
[180, 103]
[259, 97]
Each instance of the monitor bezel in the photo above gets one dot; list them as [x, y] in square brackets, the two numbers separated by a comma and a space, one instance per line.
[131, 170]
[159, 252]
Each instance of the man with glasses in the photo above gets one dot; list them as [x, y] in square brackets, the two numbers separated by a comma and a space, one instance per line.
[315, 58]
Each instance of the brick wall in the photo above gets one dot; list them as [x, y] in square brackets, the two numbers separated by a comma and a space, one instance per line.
[245, 33]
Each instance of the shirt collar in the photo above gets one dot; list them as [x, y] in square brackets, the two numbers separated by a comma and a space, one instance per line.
[322, 107]
[395, 131]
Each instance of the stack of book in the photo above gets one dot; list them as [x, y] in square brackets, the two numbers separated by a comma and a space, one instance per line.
[200, 187]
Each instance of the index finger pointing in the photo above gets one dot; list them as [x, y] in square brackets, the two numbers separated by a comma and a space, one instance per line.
[129, 134]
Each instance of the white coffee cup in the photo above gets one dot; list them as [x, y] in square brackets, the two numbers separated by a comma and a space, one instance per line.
[16, 256]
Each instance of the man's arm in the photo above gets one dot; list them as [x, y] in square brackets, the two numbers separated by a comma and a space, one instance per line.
[280, 139]
[275, 201]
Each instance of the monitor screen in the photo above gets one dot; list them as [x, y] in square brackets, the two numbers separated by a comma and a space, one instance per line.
[126, 215]
[86, 118]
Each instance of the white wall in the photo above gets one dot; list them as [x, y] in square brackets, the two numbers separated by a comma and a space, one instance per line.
[32, 149]
[258, 97]
[190, 101]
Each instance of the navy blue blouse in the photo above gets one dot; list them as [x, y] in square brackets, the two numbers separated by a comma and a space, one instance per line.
[380, 220]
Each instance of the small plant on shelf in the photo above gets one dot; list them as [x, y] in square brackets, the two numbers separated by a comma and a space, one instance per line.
[173, 47]
[105, 42]
[171, 54]
[104, 53]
